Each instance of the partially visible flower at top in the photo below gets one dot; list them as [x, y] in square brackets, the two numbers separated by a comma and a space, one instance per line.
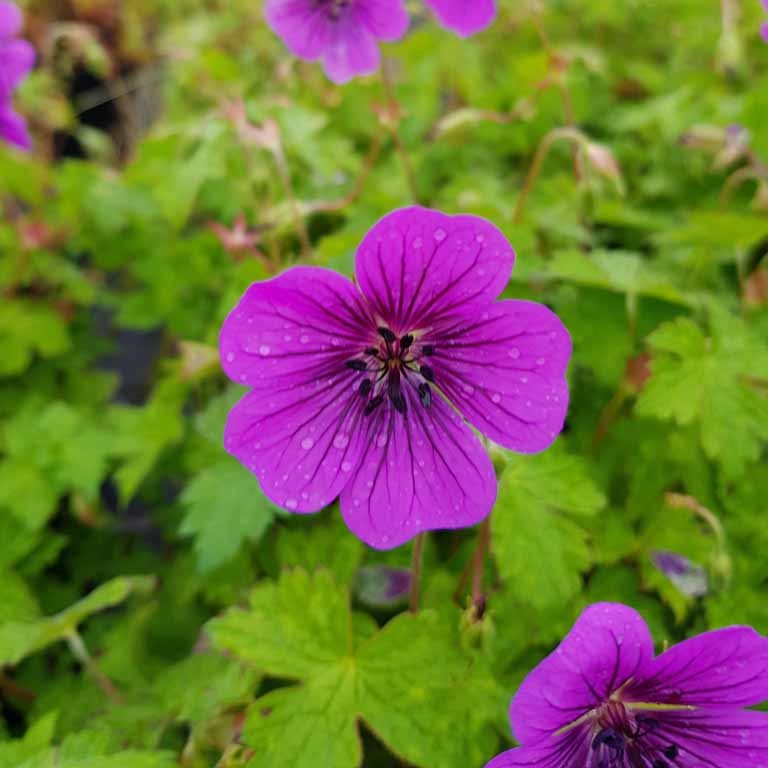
[764, 28]
[690, 578]
[365, 392]
[465, 17]
[602, 700]
[343, 34]
[17, 57]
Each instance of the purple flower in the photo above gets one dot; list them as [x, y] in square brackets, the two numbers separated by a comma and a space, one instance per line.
[602, 700]
[365, 391]
[341, 33]
[17, 57]
[764, 27]
[465, 17]
[689, 578]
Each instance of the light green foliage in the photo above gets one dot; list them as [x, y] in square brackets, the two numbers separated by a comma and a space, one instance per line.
[155, 608]
[405, 682]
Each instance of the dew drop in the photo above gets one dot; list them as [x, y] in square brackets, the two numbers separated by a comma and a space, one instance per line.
[291, 503]
[304, 339]
[381, 441]
[496, 398]
[264, 350]
[230, 357]
[514, 353]
[480, 238]
[346, 466]
[307, 443]
[417, 242]
[439, 235]
[341, 441]
[469, 389]
[540, 361]
[287, 337]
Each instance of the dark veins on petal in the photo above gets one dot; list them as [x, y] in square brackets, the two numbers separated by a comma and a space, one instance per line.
[390, 366]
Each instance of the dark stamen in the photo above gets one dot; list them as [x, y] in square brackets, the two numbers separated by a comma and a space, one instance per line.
[395, 393]
[671, 751]
[387, 335]
[427, 373]
[660, 764]
[610, 739]
[372, 351]
[357, 365]
[406, 341]
[428, 350]
[425, 394]
[373, 404]
[398, 401]
[366, 385]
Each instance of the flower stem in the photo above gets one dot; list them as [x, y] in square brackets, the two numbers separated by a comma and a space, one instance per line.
[478, 566]
[393, 124]
[416, 563]
[80, 652]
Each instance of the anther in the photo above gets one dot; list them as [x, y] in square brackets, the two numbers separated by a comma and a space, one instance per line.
[357, 365]
[373, 404]
[428, 350]
[398, 401]
[387, 335]
[671, 751]
[425, 394]
[660, 764]
[406, 341]
[609, 738]
[371, 351]
[427, 372]
[366, 385]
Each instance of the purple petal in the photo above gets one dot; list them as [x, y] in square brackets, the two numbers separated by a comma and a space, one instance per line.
[303, 25]
[723, 739]
[351, 50]
[609, 644]
[417, 266]
[11, 19]
[764, 32]
[299, 327]
[13, 128]
[565, 751]
[504, 369]
[302, 442]
[725, 667]
[17, 57]
[385, 19]
[465, 17]
[424, 471]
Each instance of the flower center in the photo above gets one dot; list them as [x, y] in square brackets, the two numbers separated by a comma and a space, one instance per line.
[621, 738]
[334, 8]
[390, 366]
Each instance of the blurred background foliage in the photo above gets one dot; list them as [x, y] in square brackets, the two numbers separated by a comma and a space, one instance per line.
[155, 609]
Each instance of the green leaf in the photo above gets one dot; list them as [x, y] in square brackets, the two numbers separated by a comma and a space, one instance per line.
[19, 639]
[533, 524]
[406, 682]
[224, 509]
[707, 381]
[27, 329]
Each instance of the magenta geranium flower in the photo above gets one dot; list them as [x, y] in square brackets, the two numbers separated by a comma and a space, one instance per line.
[343, 34]
[602, 700]
[465, 17]
[764, 28]
[367, 391]
[16, 59]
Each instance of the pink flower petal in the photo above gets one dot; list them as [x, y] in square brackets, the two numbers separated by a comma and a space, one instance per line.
[423, 472]
[17, 57]
[417, 267]
[465, 17]
[11, 19]
[299, 327]
[351, 50]
[722, 738]
[302, 25]
[13, 128]
[565, 751]
[504, 369]
[608, 645]
[384, 19]
[725, 667]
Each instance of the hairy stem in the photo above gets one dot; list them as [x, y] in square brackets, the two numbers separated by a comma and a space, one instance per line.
[80, 652]
[416, 563]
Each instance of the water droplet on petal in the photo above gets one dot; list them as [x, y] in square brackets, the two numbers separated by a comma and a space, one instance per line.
[439, 235]
[496, 397]
[469, 389]
[307, 443]
[304, 339]
[514, 353]
[264, 350]
[341, 441]
[291, 503]
[346, 466]
[230, 357]
[381, 441]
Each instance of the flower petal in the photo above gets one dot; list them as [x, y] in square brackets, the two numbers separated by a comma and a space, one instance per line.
[565, 751]
[465, 17]
[11, 19]
[725, 667]
[424, 471]
[302, 442]
[17, 57]
[351, 50]
[609, 644]
[299, 327]
[385, 19]
[715, 739]
[13, 128]
[417, 266]
[505, 372]
[303, 25]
